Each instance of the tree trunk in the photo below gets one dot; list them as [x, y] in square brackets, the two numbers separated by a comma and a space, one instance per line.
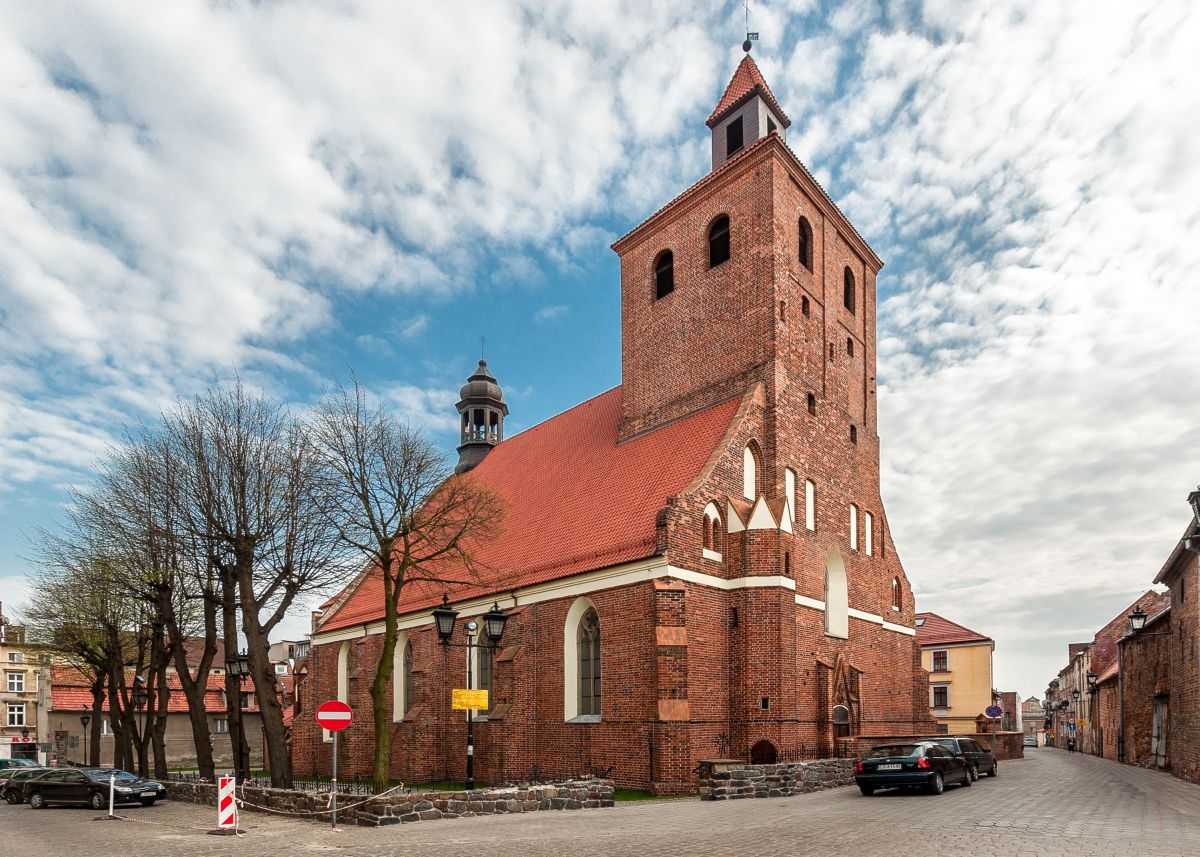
[263, 673]
[160, 723]
[195, 687]
[96, 725]
[381, 768]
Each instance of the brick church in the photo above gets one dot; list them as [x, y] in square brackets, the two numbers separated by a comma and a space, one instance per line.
[695, 564]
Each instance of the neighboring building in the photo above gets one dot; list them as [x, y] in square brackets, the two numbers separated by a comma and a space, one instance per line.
[23, 695]
[286, 653]
[696, 564]
[1145, 686]
[1032, 719]
[71, 697]
[1010, 703]
[1179, 711]
[959, 662]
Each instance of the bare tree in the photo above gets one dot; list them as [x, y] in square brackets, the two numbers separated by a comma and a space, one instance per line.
[390, 495]
[241, 468]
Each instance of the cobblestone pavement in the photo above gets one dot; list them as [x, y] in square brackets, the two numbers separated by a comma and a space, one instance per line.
[1048, 805]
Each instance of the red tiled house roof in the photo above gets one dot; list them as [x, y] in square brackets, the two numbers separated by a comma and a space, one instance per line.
[935, 630]
[574, 500]
[70, 690]
[746, 80]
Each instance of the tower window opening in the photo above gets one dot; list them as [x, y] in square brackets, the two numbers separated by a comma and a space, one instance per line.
[849, 347]
[733, 136]
[770, 125]
[718, 242]
[831, 352]
[805, 243]
[664, 275]
[804, 307]
[854, 434]
[848, 290]
[812, 404]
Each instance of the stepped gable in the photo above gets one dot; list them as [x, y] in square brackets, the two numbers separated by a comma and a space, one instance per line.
[574, 500]
[938, 630]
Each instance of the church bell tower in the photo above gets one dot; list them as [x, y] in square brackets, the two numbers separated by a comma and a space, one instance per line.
[482, 411]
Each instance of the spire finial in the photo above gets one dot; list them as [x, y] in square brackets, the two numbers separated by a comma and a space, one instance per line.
[482, 340]
[750, 37]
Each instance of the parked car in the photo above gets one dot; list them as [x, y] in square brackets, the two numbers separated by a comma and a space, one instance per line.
[12, 779]
[923, 764]
[978, 757]
[90, 786]
[18, 763]
[1030, 741]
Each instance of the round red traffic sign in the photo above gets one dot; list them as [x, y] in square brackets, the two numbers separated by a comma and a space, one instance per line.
[334, 715]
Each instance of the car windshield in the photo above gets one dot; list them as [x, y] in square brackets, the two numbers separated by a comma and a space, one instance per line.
[102, 774]
[28, 774]
[893, 750]
[23, 763]
[948, 743]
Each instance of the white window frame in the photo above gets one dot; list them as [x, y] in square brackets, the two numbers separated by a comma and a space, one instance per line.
[105, 727]
[853, 527]
[575, 615]
[712, 513]
[749, 474]
[837, 597]
[16, 681]
[220, 725]
[868, 533]
[16, 657]
[16, 714]
[789, 487]
[933, 660]
[933, 695]
[398, 699]
[810, 505]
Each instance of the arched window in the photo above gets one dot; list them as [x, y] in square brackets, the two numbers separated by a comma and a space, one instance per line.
[581, 662]
[848, 289]
[869, 534]
[343, 672]
[837, 598]
[789, 489]
[805, 243]
[718, 242]
[853, 527]
[589, 664]
[664, 275]
[712, 531]
[402, 678]
[897, 595]
[812, 404]
[810, 505]
[749, 473]
[853, 434]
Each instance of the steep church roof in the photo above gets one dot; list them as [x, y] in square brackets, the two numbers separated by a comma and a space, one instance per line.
[745, 81]
[574, 500]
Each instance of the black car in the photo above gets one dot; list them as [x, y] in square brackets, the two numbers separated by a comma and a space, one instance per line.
[922, 764]
[14, 778]
[90, 786]
[978, 757]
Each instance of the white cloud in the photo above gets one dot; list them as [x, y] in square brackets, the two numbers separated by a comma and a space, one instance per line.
[550, 313]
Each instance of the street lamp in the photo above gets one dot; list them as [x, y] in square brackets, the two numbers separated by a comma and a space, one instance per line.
[1137, 619]
[1194, 502]
[238, 666]
[1091, 679]
[494, 621]
[85, 719]
[139, 702]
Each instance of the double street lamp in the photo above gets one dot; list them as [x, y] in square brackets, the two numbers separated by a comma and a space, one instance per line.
[238, 666]
[494, 620]
[139, 702]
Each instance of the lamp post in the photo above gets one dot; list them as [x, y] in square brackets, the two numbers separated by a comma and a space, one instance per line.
[139, 702]
[444, 617]
[85, 719]
[237, 665]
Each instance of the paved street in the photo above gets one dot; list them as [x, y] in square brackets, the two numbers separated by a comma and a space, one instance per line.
[1047, 805]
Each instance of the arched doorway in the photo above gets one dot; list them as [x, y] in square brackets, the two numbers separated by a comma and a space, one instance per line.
[841, 721]
[763, 753]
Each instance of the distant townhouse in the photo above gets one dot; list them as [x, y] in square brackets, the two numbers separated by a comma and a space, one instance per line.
[959, 662]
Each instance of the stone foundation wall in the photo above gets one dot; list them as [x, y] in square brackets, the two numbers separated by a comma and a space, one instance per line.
[405, 807]
[731, 780]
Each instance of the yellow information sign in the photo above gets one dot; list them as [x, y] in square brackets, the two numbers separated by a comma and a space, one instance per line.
[1082, 723]
[469, 700]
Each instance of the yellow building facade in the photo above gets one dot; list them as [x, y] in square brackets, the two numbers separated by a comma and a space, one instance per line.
[959, 662]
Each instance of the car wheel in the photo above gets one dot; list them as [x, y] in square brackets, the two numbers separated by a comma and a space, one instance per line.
[937, 785]
[995, 770]
[97, 800]
[973, 773]
[12, 797]
[36, 801]
[867, 790]
[149, 801]
[967, 778]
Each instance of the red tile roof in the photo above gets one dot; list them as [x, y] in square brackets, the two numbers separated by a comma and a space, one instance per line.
[938, 630]
[574, 500]
[1109, 674]
[70, 690]
[746, 80]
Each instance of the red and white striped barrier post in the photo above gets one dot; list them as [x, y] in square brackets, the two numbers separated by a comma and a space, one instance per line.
[227, 813]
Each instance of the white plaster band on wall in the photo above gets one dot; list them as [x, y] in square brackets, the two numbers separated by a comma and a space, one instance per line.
[585, 584]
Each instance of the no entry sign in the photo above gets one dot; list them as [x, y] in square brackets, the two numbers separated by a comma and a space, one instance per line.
[334, 715]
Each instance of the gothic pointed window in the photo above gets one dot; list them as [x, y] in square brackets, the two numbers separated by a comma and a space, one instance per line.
[712, 532]
[664, 275]
[407, 678]
[848, 290]
[589, 664]
[484, 681]
[897, 596]
[805, 243]
[718, 242]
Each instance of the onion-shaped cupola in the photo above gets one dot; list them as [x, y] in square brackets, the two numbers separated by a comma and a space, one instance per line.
[482, 411]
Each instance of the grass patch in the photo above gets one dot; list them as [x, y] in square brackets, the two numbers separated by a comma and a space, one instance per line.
[442, 786]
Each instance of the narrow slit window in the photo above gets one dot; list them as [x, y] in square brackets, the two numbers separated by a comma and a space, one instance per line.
[848, 290]
[664, 275]
[718, 242]
[805, 243]
[733, 136]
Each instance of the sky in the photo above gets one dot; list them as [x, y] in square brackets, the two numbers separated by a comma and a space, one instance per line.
[291, 190]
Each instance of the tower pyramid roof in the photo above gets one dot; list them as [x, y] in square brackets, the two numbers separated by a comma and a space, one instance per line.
[746, 81]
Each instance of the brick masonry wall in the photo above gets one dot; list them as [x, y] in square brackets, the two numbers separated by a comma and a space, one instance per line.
[1110, 719]
[1145, 667]
[405, 806]
[1183, 740]
[721, 781]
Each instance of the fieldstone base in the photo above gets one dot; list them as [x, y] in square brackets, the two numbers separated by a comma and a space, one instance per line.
[723, 779]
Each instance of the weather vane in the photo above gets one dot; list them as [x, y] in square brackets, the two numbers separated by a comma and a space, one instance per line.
[750, 37]
[482, 340]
